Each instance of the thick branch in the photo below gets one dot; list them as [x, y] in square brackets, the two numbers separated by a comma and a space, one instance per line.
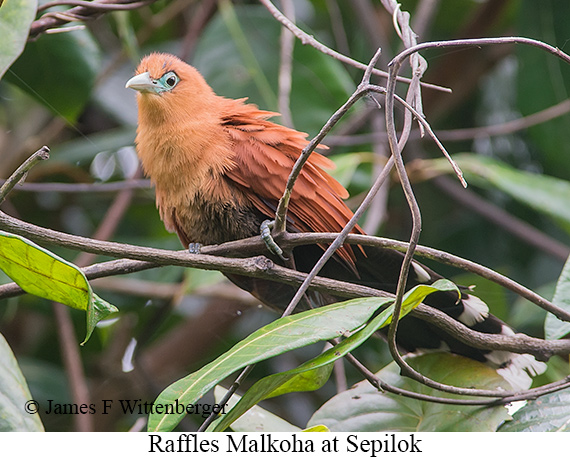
[261, 267]
[255, 246]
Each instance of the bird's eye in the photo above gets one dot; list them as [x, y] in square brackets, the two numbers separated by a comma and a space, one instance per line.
[169, 80]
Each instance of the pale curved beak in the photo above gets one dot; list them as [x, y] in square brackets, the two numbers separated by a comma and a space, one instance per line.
[142, 83]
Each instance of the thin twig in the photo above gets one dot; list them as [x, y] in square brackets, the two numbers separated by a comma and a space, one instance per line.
[396, 149]
[476, 42]
[281, 212]
[16, 177]
[553, 347]
[382, 386]
[515, 125]
[354, 220]
[395, 65]
[229, 394]
[93, 5]
[73, 188]
[413, 98]
[310, 40]
[84, 11]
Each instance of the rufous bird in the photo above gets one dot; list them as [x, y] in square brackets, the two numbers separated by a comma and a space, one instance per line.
[220, 166]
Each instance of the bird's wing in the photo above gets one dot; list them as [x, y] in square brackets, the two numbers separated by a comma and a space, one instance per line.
[264, 154]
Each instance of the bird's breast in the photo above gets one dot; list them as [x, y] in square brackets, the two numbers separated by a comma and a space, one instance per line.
[207, 220]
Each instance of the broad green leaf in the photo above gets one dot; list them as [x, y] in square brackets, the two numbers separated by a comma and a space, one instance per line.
[282, 335]
[313, 374]
[550, 413]
[545, 194]
[15, 19]
[365, 409]
[40, 272]
[257, 419]
[15, 396]
[554, 328]
[59, 71]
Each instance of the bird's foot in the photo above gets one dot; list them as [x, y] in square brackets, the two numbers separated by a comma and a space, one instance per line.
[194, 248]
[267, 238]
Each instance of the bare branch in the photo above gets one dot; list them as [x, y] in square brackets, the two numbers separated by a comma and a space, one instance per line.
[82, 11]
[16, 177]
[146, 258]
[310, 40]
[505, 128]
[73, 188]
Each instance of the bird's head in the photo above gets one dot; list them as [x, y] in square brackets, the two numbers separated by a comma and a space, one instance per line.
[165, 80]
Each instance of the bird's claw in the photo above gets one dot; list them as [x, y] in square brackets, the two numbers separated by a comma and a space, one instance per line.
[194, 248]
[267, 238]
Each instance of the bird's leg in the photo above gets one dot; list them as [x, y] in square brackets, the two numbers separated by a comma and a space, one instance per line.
[270, 243]
[194, 248]
[273, 247]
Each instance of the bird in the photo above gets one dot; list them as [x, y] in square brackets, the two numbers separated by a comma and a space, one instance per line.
[219, 167]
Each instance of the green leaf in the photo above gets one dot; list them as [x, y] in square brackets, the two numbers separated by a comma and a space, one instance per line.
[15, 19]
[15, 396]
[257, 419]
[317, 428]
[549, 413]
[40, 272]
[416, 295]
[545, 194]
[282, 335]
[554, 328]
[364, 409]
[347, 164]
[313, 374]
[309, 376]
[59, 71]
[98, 310]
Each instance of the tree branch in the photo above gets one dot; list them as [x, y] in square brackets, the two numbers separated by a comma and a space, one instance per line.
[16, 177]
[83, 11]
